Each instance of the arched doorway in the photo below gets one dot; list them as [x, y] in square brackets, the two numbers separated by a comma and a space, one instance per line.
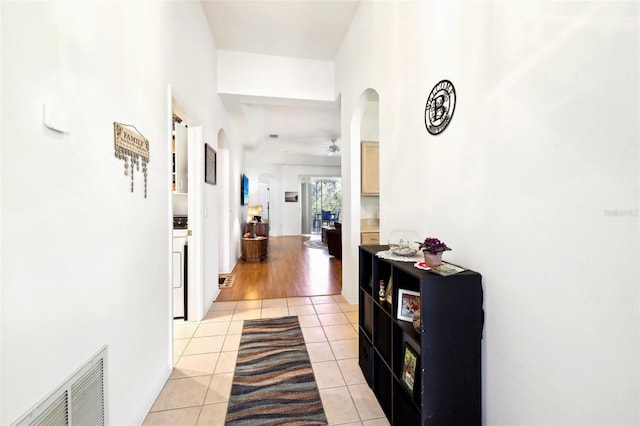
[364, 120]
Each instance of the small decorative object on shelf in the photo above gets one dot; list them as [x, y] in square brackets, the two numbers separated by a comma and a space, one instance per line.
[381, 292]
[432, 260]
[402, 243]
[445, 269]
[432, 249]
[389, 291]
[417, 321]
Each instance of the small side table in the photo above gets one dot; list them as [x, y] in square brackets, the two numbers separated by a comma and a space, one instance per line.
[254, 248]
[324, 233]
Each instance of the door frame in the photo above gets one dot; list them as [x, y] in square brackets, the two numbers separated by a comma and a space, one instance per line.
[194, 265]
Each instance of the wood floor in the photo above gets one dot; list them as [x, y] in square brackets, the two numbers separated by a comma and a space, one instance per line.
[291, 270]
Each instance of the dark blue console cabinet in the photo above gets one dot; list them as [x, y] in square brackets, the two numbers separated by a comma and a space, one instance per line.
[447, 383]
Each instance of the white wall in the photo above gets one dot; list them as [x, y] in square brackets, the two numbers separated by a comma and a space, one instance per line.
[85, 262]
[534, 184]
[251, 74]
[1, 215]
[370, 125]
[228, 205]
[237, 213]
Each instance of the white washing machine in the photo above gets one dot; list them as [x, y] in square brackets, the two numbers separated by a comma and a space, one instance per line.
[179, 256]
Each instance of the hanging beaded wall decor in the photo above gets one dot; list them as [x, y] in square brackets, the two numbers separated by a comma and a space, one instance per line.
[133, 149]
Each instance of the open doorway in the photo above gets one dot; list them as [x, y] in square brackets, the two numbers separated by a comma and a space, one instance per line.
[187, 204]
[179, 203]
[264, 194]
[321, 203]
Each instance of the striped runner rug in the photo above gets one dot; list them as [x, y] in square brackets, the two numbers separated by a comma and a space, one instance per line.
[273, 382]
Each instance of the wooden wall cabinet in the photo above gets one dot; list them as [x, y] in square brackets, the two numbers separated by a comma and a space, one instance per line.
[368, 238]
[370, 168]
[447, 387]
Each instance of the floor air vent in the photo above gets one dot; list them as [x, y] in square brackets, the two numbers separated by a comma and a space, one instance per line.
[79, 401]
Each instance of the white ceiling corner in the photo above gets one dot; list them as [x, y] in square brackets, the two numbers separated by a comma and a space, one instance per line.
[308, 29]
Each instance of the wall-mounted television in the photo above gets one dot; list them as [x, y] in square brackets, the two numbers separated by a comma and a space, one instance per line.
[244, 190]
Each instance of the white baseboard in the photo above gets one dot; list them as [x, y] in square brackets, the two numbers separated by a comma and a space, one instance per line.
[156, 388]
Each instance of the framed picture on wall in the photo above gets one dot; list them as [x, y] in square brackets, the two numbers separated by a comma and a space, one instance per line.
[210, 164]
[290, 197]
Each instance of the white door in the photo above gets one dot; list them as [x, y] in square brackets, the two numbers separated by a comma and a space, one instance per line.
[178, 276]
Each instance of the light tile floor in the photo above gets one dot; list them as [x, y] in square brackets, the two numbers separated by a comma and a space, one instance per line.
[205, 355]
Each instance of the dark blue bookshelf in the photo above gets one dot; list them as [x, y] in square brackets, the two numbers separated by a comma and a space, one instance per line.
[447, 384]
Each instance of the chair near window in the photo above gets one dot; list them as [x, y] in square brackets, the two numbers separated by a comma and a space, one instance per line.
[335, 217]
[326, 217]
[316, 223]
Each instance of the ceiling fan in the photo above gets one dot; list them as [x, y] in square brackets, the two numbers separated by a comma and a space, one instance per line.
[333, 148]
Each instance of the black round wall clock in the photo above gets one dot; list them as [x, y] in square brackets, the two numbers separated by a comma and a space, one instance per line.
[440, 106]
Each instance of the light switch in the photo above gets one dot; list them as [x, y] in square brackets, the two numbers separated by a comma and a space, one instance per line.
[56, 118]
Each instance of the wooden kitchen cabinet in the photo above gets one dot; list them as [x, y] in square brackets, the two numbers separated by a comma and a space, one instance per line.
[370, 168]
[369, 238]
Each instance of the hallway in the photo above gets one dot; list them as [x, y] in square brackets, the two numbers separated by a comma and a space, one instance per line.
[205, 354]
[295, 280]
[291, 270]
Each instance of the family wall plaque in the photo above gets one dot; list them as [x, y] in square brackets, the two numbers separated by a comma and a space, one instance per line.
[133, 149]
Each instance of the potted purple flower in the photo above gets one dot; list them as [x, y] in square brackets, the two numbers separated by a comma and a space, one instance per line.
[432, 248]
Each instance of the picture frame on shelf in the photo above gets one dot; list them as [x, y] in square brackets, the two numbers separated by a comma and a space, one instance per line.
[408, 303]
[410, 362]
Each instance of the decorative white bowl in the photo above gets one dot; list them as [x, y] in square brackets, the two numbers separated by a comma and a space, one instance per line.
[404, 243]
[404, 250]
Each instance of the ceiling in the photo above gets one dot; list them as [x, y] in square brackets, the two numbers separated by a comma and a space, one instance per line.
[308, 29]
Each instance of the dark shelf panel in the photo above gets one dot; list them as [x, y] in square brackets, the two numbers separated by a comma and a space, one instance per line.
[382, 385]
[365, 314]
[406, 411]
[382, 333]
